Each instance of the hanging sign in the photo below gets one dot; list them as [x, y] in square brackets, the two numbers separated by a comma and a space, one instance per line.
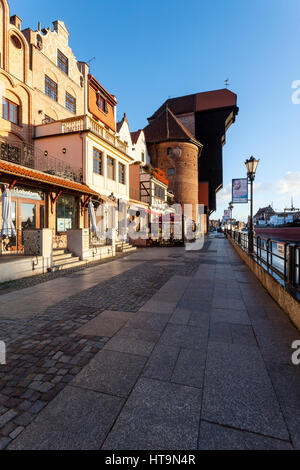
[240, 190]
[226, 215]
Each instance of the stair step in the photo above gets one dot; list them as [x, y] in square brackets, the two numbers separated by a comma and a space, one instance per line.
[61, 267]
[62, 262]
[61, 257]
[59, 251]
[127, 249]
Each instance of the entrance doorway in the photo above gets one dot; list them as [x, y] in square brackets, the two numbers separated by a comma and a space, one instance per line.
[28, 212]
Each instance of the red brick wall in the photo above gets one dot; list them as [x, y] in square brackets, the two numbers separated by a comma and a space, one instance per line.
[184, 160]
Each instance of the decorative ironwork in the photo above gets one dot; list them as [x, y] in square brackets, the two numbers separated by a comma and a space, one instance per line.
[29, 156]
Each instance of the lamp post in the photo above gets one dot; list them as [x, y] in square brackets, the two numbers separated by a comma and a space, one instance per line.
[230, 207]
[251, 165]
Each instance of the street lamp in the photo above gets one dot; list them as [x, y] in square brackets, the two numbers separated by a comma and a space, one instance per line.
[230, 207]
[251, 165]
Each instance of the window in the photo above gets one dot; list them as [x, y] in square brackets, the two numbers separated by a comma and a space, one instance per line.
[122, 173]
[169, 151]
[50, 88]
[110, 168]
[171, 171]
[102, 103]
[97, 165]
[66, 213]
[159, 192]
[70, 103]
[10, 111]
[143, 157]
[62, 62]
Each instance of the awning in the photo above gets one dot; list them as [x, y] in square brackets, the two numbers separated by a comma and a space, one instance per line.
[34, 175]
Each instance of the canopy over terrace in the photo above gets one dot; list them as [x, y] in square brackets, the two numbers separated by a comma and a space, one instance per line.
[38, 201]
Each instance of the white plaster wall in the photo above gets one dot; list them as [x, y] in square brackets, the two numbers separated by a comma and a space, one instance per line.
[125, 136]
[101, 183]
[134, 150]
[139, 148]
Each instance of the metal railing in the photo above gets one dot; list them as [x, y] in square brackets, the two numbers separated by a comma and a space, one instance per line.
[27, 155]
[281, 259]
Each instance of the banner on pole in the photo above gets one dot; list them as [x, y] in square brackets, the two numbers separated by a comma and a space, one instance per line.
[240, 190]
[226, 215]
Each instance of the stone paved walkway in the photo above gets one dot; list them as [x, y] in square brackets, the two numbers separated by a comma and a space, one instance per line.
[164, 349]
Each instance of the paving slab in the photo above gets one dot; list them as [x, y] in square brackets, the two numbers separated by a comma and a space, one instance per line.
[230, 315]
[181, 316]
[243, 334]
[257, 442]
[292, 417]
[111, 372]
[157, 306]
[125, 344]
[230, 304]
[238, 392]
[149, 321]
[158, 321]
[143, 334]
[184, 337]
[220, 332]
[215, 437]
[286, 382]
[77, 419]
[189, 368]
[157, 415]
[162, 362]
[105, 324]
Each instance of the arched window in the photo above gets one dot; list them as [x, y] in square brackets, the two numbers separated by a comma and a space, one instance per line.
[16, 42]
[16, 57]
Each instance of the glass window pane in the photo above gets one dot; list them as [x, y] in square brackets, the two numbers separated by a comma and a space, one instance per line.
[28, 216]
[66, 213]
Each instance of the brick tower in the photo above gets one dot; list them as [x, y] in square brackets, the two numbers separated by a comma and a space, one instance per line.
[173, 149]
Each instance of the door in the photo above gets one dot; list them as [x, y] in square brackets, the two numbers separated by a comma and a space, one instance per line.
[27, 215]
[28, 220]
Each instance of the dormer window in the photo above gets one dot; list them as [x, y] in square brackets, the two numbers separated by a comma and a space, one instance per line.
[102, 103]
[62, 62]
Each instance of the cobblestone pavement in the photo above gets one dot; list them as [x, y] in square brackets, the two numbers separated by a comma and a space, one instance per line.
[164, 349]
[44, 352]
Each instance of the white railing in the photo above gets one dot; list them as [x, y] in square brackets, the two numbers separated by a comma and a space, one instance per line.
[83, 123]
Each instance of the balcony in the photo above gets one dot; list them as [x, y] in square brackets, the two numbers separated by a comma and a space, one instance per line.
[27, 155]
[79, 124]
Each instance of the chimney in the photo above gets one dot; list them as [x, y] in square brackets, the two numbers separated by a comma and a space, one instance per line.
[16, 21]
[60, 28]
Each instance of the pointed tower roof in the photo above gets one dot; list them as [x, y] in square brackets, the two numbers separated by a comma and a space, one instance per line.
[166, 127]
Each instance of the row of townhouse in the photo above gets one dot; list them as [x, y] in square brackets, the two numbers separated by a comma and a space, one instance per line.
[62, 148]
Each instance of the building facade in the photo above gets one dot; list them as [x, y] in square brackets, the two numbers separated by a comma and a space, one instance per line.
[45, 91]
[206, 117]
[174, 150]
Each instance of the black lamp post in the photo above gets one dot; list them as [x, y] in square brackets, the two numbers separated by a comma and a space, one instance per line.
[230, 207]
[251, 165]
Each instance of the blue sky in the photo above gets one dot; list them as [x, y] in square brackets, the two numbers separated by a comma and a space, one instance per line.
[149, 50]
